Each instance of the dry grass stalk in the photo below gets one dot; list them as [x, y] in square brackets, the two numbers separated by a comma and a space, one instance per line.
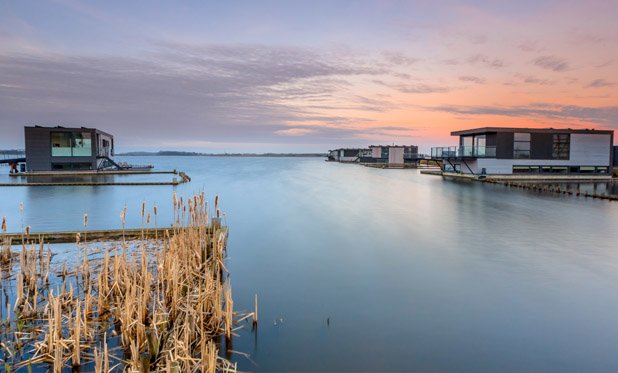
[168, 298]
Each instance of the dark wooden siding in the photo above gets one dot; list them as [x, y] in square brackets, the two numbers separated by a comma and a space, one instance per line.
[541, 145]
[490, 139]
[504, 145]
[38, 148]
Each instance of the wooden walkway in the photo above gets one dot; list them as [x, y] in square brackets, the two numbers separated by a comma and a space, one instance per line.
[184, 178]
[92, 183]
[90, 235]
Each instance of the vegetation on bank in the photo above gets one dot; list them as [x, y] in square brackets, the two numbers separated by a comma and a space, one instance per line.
[154, 304]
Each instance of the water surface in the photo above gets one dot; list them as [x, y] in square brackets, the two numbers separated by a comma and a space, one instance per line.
[413, 273]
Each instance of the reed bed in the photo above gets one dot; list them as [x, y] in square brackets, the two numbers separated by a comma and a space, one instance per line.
[149, 305]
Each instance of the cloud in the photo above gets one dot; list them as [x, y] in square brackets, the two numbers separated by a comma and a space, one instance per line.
[398, 58]
[607, 115]
[420, 88]
[451, 62]
[530, 46]
[180, 92]
[531, 79]
[600, 83]
[485, 60]
[473, 79]
[295, 132]
[552, 63]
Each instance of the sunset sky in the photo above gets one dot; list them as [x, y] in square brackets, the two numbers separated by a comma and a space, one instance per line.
[297, 76]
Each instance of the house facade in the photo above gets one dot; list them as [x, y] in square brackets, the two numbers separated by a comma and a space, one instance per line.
[66, 149]
[499, 151]
[392, 154]
[348, 154]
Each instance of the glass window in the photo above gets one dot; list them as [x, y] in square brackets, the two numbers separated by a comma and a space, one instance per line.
[559, 170]
[479, 145]
[69, 144]
[384, 152]
[61, 144]
[520, 136]
[521, 145]
[561, 146]
[467, 144]
[82, 144]
[521, 169]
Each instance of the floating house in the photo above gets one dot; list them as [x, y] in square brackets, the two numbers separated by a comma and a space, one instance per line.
[66, 149]
[348, 155]
[393, 155]
[512, 151]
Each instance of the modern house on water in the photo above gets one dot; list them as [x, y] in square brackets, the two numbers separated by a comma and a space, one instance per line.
[65, 149]
[501, 151]
[392, 155]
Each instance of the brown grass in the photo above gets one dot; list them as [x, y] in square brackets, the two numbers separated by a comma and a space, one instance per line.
[164, 301]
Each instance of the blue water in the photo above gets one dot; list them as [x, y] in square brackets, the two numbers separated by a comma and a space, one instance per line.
[414, 273]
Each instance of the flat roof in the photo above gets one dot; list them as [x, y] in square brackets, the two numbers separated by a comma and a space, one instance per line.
[391, 146]
[70, 129]
[481, 130]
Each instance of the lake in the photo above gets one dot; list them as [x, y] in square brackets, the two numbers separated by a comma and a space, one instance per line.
[362, 269]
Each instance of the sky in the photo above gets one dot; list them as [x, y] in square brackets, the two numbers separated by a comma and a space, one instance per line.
[304, 76]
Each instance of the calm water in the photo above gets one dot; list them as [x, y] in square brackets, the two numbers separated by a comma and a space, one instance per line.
[414, 273]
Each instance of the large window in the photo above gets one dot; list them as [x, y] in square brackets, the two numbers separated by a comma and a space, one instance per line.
[521, 145]
[69, 144]
[479, 145]
[561, 146]
[467, 146]
[61, 144]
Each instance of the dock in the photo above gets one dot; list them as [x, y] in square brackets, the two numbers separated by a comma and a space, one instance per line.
[106, 235]
[184, 178]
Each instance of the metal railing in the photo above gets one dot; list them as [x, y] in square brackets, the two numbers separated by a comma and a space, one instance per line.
[463, 152]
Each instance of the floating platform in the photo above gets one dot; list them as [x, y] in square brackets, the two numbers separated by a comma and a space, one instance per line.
[546, 178]
[91, 173]
[184, 178]
[107, 235]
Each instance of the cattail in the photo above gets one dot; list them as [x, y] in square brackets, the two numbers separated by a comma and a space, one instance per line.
[76, 336]
[85, 219]
[4, 224]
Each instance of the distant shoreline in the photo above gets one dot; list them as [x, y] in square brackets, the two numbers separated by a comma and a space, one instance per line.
[194, 154]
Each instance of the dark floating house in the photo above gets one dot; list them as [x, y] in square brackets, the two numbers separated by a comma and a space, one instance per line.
[65, 149]
[501, 151]
[391, 155]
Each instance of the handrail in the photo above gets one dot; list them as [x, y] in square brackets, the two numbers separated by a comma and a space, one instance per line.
[463, 152]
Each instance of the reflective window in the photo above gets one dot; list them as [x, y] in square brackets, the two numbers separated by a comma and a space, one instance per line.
[561, 146]
[82, 144]
[467, 143]
[521, 145]
[69, 144]
[61, 144]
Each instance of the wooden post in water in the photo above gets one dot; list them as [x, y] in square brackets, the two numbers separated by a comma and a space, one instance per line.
[255, 313]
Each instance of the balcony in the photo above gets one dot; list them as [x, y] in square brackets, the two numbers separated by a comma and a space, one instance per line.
[463, 152]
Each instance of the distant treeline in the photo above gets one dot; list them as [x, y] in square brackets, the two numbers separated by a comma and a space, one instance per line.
[12, 151]
[179, 153]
